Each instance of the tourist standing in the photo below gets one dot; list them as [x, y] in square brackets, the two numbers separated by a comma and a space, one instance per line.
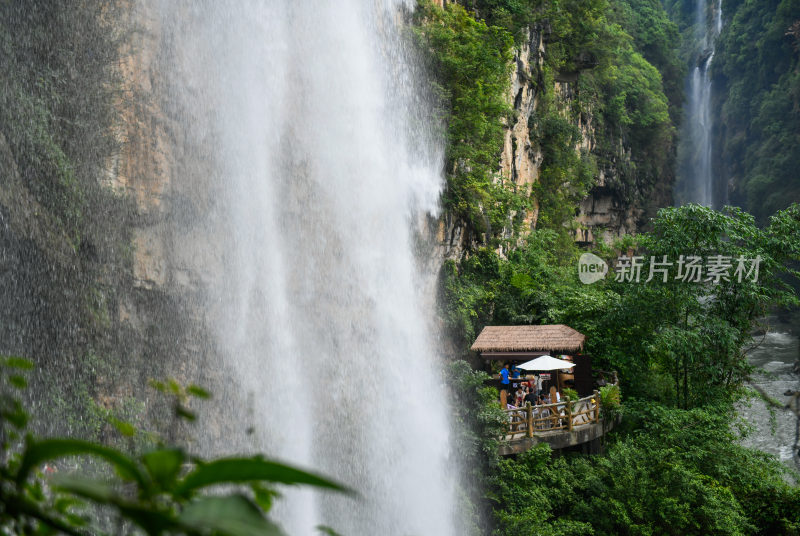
[531, 397]
[505, 383]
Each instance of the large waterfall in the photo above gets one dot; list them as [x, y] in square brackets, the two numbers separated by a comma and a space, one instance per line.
[695, 174]
[308, 119]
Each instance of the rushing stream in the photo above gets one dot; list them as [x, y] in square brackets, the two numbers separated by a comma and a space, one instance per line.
[775, 355]
[324, 164]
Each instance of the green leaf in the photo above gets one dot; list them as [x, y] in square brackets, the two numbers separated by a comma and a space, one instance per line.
[174, 387]
[123, 427]
[264, 495]
[14, 413]
[184, 413]
[18, 363]
[39, 452]
[151, 520]
[234, 515]
[198, 392]
[64, 504]
[77, 520]
[327, 530]
[239, 470]
[18, 381]
[522, 281]
[95, 491]
[158, 386]
[35, 491]
[164, 466]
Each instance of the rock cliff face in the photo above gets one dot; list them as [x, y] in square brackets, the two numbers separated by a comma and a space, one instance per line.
[171, 229]
[602, 215]
[101, 318]
[521, 159]
[142, 170]
[166, 227]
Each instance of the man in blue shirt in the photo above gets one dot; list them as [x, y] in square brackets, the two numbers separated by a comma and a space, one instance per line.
[515, 375]
[504, 377]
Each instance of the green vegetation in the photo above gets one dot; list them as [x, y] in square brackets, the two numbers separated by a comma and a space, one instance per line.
[619, 100]
[624, 96]
[610, 400]
[675, 473]
[567, 175]
[516, 16]
[531, 286]
[656, 38]
[56, 105]
[756, 74]
[675, 467]
[164, 490]
[472, 62]
[651, 333]
[703, 328]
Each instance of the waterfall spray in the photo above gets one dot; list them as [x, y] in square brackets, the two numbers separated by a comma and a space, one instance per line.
[323, 160]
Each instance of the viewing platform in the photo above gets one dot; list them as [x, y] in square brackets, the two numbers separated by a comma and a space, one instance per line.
[564, 423]
[561, 425]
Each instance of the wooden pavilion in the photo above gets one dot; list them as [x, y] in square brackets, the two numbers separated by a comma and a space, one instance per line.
[517, 344]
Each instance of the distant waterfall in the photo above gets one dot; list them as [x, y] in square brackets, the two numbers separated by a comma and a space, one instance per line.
[695, 181]
[308, 118]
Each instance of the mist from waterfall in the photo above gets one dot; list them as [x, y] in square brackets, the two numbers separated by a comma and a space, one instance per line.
[310, 120]
[695, 180]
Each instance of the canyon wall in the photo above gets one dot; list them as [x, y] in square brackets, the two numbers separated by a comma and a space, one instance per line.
[602, 215]
[113, 301]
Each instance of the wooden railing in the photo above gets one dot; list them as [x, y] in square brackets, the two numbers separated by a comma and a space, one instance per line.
[565, 415]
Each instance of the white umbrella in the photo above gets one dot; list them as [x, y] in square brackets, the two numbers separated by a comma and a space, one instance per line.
[546, 362]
